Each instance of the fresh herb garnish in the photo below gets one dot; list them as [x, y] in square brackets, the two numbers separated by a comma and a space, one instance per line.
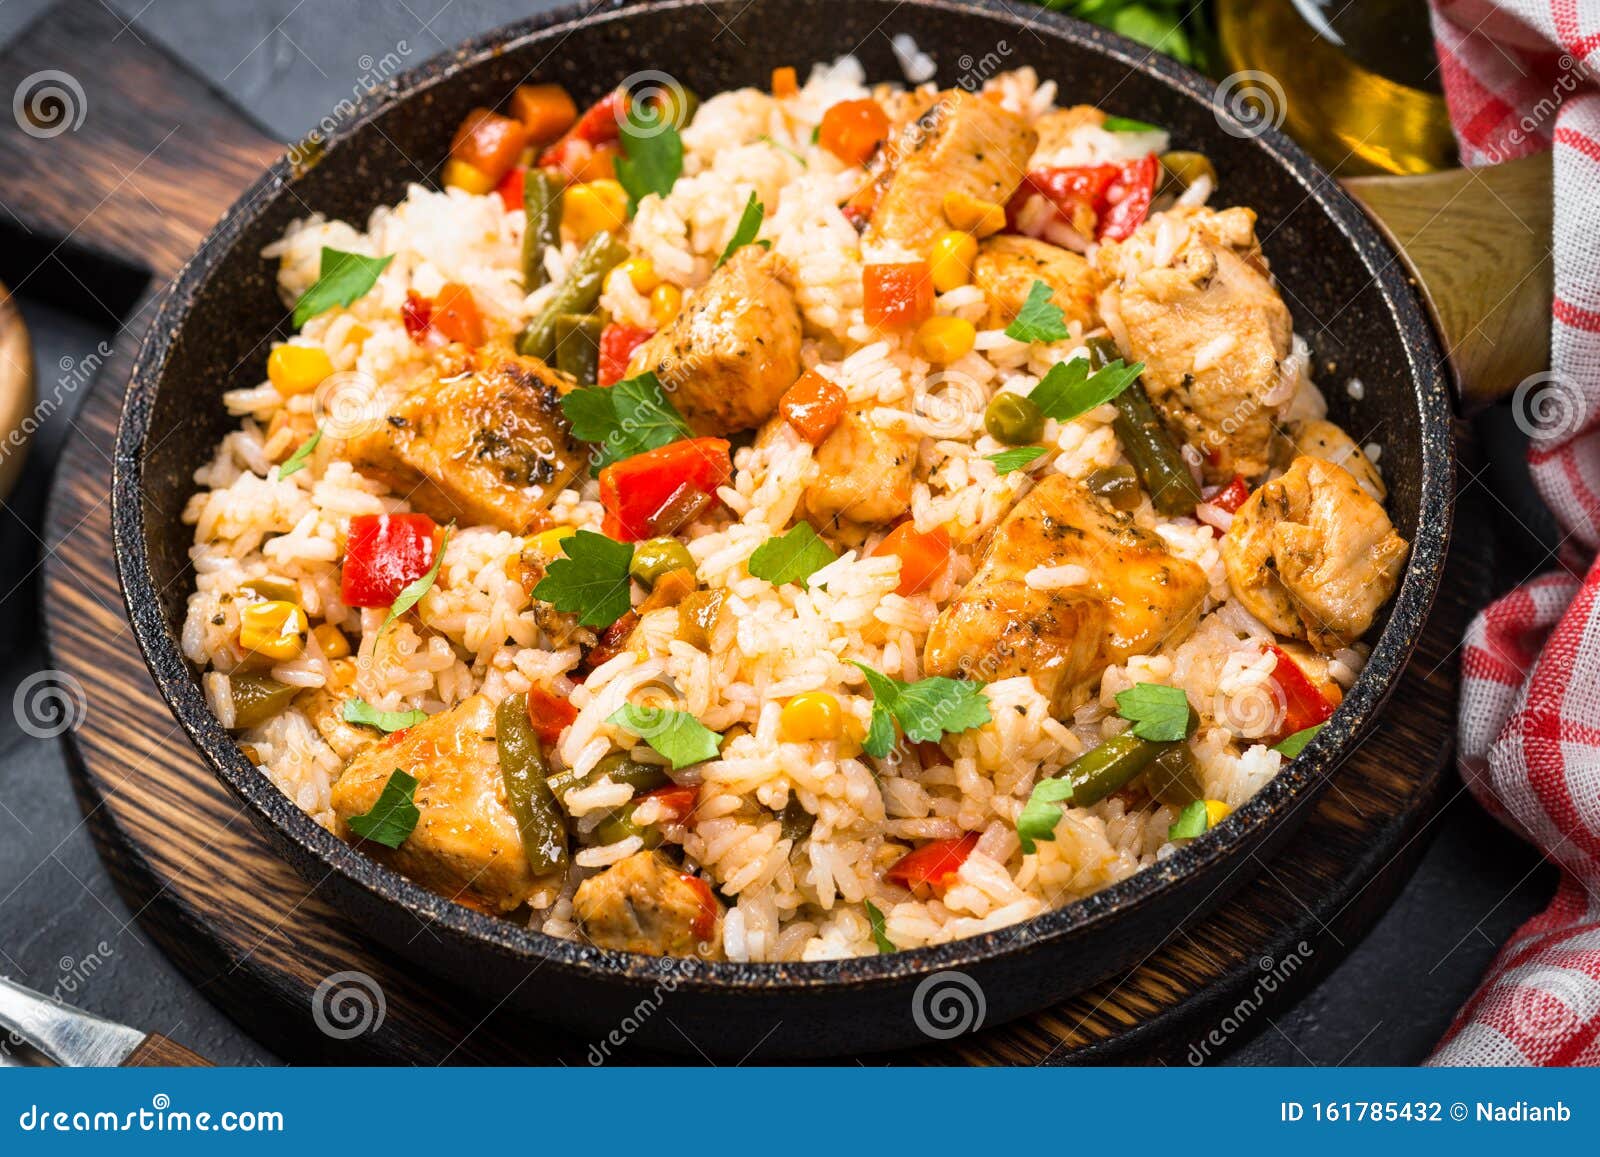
[1042, 812]
[393, 815]
[414, 590]
[880, 935]
[341, 279]
[592, 579]
[297, 461]
[745, 233]
[925, 710]
[1159, 714]
[1068, 389]
[792, 557]
[1128, 125]
[652, 154]
[765, 139]
[625, 419]
[1016, 458]
[1191, 822]
[1039, 319]
[1294, 744]
[360, 711]
[678, 736]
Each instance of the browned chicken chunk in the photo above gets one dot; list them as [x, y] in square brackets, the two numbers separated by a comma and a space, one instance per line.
[1129, 597]
[1312, 555]
[733, 349]
[1008, 265]
[466, 845]
[487, 446]
[1056, 128]
[645, 903]
[1210, 329]
[1323, 439]
[963, 144]
[864, 476]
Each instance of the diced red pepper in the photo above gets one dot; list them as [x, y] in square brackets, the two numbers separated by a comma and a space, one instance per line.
[549, 715]
[600, 123]
[385, 553]
[510, 189]
[1106, 201]
[1128, 198]
[617, 343]
[934, 864]
[1305, 704]
[612, 641]
[677, 803]
[923, 557]
[705, 921]
[416, 314]
[489, 142]
[634, 490]
[455, 315]
[813, 406]
[897, 296]
[858, 214]
[1232, 496]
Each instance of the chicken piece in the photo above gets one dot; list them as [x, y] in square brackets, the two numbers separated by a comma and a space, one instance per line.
[466, 845]
[1056, 130]
[902, 106]
[1009, 264]
[1312, 555]
[963, 144]
[647, 904]
[325, 709]
[489, 445]
[733, 349]
[864, 476]
[1210, 329]
[1323, 439]
[1131, 598]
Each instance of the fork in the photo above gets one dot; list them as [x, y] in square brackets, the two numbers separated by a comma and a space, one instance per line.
[71, 1037]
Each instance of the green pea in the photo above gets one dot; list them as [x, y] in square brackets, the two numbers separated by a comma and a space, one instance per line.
[656, 556]
[1013, 419]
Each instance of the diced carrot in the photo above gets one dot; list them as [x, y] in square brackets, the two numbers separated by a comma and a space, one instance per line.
[852, 130]
[813, 406]
[545, 110]
[784, 82]
[455, 315]
[549, 715]
[489, 142]
[934, 864]
[897, 296]
[923, 557]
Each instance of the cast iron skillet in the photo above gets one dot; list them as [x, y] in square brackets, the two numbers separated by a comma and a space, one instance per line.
[1349, 297]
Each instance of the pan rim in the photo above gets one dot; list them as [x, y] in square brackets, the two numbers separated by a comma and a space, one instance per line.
[1294, 787]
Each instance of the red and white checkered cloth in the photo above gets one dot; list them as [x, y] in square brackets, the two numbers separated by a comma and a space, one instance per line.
[1522, 76]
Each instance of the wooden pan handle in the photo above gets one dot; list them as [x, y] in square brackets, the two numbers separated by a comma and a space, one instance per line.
[1478, 243]
[158, 1052]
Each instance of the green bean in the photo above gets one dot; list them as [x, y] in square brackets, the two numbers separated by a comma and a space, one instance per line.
[524, 771]
[642, 777]
[1147, 443]
[619, 825]
[541, 201]
[1118, 485]
[796, 821]
[256, 699]
[1174, 777]
[577, 293]
[1111, 766]
[578, 346]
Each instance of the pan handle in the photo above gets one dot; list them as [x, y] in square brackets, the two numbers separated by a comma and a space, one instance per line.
[1478, 244]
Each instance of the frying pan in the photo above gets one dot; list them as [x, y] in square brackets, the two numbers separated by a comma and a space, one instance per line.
[1350, 298]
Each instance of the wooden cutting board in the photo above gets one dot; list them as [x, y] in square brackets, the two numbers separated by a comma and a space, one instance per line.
[114, 207]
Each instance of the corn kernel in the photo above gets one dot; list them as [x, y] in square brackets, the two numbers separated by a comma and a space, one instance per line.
[274, 629]
[665, 301]
[1216, 812]
[461, 175]
[297, 369]
[944, 339]
[357, 335]
[642, 272]
[548, 542]
[950, 261]
[332, 641]
[973, 214]
[812, 715]
[590, 208]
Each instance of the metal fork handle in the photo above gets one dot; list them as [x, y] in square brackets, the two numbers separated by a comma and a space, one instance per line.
[65, 1035]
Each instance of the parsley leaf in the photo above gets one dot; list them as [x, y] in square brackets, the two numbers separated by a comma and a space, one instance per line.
[1159, 714]
[677, 735]
[745, 233]
[1039, 319]
[413, 591]
[393, 816]
[880, 937]
[1042, 813]
[297, 461]
[652, 154]
[1294, 744]
[625, 419]
[1016, 458]
[1191, 822]
[792, 557]
[360, 711]
[592, 579]
[1068, 389]
[925, 710]
[341, 279]
[1128, 125]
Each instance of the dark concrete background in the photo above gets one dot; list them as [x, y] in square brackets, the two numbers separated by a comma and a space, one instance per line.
[286, 63]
